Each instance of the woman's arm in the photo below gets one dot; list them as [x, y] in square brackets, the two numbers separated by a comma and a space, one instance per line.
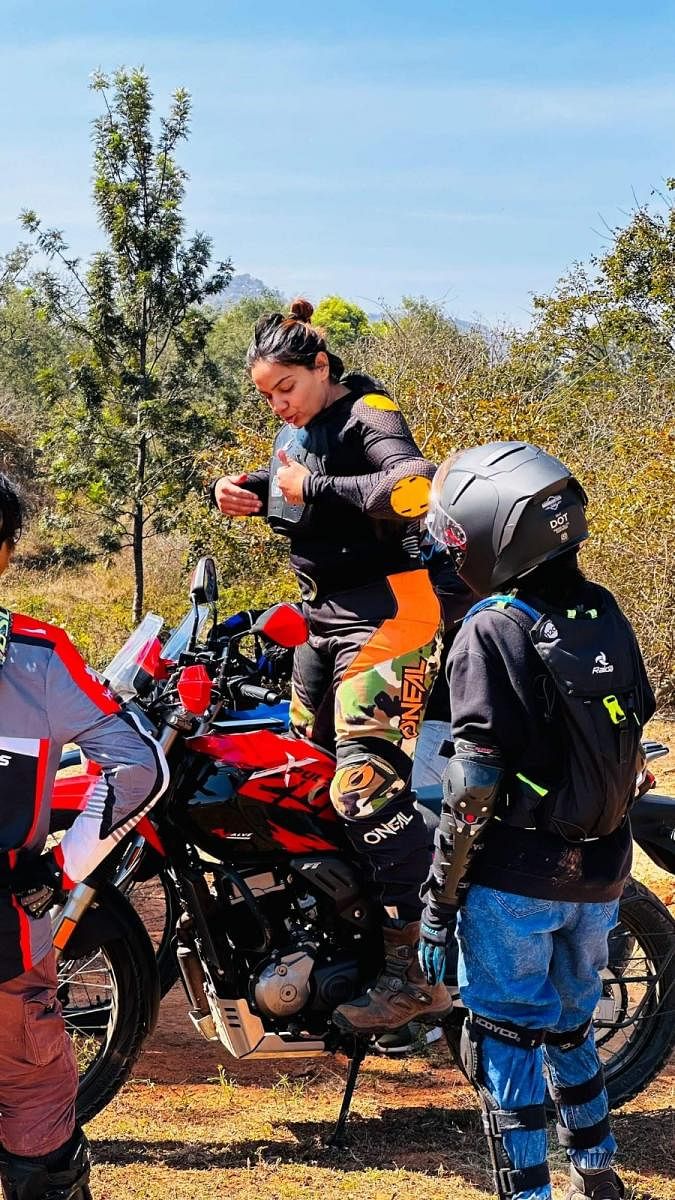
[398, 493]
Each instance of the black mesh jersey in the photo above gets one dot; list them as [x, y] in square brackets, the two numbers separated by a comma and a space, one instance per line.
[362, 504]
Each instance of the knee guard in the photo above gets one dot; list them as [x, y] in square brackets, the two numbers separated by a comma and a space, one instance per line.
[370, 775]
[587, 1136]
[508, 1180]
[569, 1039]
[61, 1175]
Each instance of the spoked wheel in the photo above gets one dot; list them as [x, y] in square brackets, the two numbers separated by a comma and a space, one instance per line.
[635, 1017]
[109, 992]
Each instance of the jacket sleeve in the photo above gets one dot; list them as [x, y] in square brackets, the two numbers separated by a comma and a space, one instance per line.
[488, 699]
[134, 770]
[398, 486]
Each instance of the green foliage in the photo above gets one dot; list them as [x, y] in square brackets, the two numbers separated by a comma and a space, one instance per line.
[123, 437]
[343, 322]
[31, 352]
[228, 342]
[141, 389]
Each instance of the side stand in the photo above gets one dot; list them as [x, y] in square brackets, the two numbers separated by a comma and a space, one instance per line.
[336, 1141]
[452, 1037]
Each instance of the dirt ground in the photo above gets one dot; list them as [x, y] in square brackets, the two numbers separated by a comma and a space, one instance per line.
[193, 1124]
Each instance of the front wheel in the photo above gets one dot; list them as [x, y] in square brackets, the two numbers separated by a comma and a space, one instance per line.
[109, 992]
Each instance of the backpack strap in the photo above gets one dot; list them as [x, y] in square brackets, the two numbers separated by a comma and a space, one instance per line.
[526, 617]
[503, 602]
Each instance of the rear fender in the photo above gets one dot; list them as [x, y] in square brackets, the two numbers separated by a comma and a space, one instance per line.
[652, 821]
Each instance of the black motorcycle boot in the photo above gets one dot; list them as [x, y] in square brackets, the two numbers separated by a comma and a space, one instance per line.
[400, 993]
[596, 1185]
[61, 1175]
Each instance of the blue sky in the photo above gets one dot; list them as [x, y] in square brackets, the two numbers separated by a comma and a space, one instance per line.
[370, 149]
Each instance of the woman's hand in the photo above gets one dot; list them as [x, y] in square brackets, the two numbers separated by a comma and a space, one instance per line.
[235, 501]
[290, 477]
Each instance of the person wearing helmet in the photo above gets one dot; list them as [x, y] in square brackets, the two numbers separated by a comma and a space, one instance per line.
[548, 695]
[348, 486]
[49, 696]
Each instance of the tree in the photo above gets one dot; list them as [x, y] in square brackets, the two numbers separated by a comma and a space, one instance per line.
[228, 342]
[124, 435]
[29, 348]
[343, 322]
[597, 371]
[425, 361]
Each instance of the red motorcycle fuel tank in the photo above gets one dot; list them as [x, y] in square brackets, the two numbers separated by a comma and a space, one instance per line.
[263, 792]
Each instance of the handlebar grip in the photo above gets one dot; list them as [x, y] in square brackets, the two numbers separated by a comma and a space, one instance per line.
[261, 695]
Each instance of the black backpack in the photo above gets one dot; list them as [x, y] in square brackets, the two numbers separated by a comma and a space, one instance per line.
[594, 661]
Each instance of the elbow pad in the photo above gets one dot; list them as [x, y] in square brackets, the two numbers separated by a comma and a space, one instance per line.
[403, 491]
[470, 794]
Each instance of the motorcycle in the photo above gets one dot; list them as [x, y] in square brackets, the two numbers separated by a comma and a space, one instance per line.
[271, 927]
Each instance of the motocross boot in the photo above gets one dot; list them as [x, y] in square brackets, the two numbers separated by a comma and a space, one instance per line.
[400, 992]
[598, 1185]
[62, 1175]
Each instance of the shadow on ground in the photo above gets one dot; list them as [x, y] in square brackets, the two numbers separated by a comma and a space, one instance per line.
[415, 1139]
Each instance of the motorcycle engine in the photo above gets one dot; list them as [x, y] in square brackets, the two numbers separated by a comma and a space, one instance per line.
[311, 970]
[288, 984]
[282, 987]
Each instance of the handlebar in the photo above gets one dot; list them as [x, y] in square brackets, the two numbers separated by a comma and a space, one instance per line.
[260, 695]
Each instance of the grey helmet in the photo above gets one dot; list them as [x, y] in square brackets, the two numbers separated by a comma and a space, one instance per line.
[503, 508]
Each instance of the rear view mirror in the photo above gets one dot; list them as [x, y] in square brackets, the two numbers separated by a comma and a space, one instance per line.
[283, 624]
[204, 582]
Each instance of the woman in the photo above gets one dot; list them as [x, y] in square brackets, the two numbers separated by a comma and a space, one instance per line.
[347, 485]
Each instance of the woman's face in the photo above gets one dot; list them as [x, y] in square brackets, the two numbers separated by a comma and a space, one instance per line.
[295, 394]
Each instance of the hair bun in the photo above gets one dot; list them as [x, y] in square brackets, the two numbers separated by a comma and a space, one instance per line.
[302, 310]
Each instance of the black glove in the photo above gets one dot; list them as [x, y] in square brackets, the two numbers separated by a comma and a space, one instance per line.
[38, 884]
[437, 924]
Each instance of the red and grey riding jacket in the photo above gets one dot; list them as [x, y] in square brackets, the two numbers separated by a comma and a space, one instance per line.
[48, 697]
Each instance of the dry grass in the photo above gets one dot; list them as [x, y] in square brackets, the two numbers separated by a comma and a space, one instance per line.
[193, 1125]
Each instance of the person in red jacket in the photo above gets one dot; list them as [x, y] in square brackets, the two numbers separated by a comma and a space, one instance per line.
[48, 697]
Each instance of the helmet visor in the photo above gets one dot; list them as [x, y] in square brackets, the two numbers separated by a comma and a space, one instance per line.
[447, 532]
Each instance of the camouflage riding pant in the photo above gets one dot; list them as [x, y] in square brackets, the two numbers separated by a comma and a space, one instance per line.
[361, 683]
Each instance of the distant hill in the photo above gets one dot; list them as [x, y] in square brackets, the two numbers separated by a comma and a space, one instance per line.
[242, 287]
[247, 287]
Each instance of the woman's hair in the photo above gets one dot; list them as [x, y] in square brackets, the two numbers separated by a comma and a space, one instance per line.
[291, 339]
[11, 512]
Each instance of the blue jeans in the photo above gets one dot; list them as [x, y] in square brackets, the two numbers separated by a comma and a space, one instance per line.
[536, 963]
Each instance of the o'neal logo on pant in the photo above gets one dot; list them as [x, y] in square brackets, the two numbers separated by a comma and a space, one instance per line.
[413, 698]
